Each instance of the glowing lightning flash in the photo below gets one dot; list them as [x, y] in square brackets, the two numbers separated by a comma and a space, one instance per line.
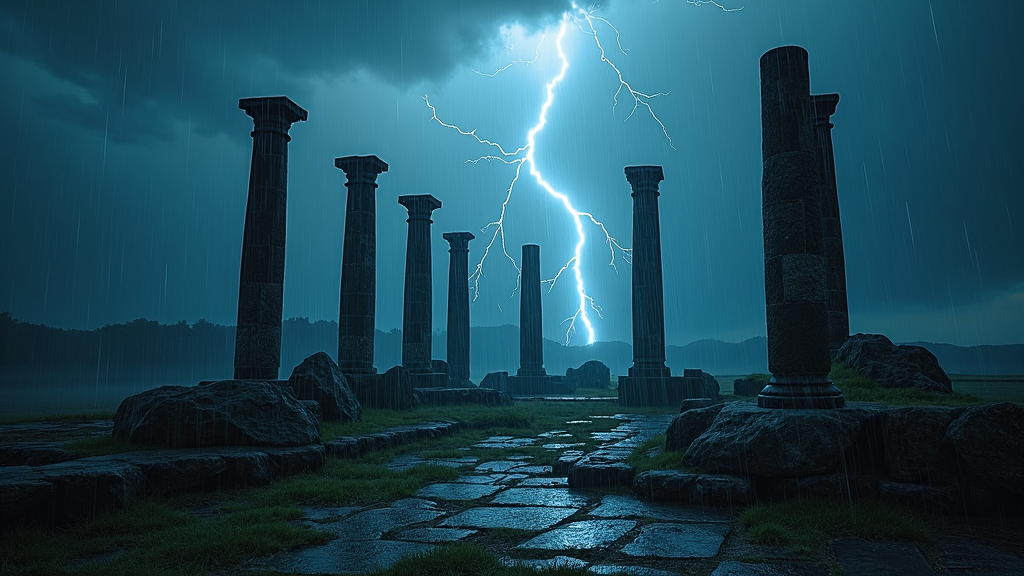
[526, 155]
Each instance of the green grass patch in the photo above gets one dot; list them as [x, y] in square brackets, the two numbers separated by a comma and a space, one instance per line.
[597, 392]
[652, 455]
[466, 560]
[804, 526]
[857, 388]
[760, 377]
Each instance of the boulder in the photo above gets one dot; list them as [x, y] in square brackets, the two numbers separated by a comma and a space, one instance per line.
[686, 427]
[591, 374]
[986, 443]
[747, 440]
[397, 389]
[604, 469]
[495, 380]
[440, 367]
[318, 378]
[225, 413]
[710, 388]
[747, 386]
[891, 366]
[693, 403]
[697, 489]
[462, 396]
[912, 437]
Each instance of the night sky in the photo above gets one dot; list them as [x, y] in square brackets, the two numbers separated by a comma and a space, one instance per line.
[125, 159]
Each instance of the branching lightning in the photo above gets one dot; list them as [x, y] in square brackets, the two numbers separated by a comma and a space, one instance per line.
[525, 156]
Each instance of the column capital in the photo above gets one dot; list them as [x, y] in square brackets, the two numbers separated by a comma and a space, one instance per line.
[644, 178]
[419, 205]
[272, 112]
[361, 169]
[530, 248]
[458, 241]
[824, 107]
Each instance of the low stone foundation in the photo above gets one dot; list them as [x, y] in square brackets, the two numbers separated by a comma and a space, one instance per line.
[461, 396]
[536, 385]
[641, 391]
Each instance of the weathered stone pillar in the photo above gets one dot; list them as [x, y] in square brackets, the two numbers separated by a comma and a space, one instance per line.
[648, 290]
[357, 311]
[832, 232]
[531, 332]
[794, 264]
[261, 281]
[458, 305]
[418, 303]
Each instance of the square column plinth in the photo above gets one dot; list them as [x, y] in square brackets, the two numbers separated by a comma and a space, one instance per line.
[641, 391]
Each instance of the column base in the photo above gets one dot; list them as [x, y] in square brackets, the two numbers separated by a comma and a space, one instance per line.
[536, 385]
[670, 391]
[429, 380]
[801, 393]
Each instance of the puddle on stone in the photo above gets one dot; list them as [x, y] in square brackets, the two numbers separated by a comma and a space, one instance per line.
[578, 422]
[523, 518]
[554, 434]
[435, 534]
[677, 541]
[557, 497]
[481, 479]
[583, 535]
[457, 491]
[562, 446]
[618, 506]
[531, 470]
[345, 557]
[497, 466]
[545, 482]
[371, 524]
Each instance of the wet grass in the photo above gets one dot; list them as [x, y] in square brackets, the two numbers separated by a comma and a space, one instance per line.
[466, 560]
[805, 526]
[652, 455]
[857, 388]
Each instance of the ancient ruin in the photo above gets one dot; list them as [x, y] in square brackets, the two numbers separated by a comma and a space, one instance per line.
[531, 378]
[458, 306]
[261, 281]
[794, 263]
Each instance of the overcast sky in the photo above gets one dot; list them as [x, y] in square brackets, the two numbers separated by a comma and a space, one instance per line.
[124, 168]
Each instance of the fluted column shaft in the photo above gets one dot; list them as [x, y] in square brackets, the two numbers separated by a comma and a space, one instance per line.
[417, 315]
[832, 233]
[648, 288]
[458, 304]
[261, 278]
[357, 308]
[798, 356]
[531, 332]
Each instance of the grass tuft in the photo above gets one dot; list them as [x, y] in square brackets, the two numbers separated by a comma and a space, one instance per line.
[466, 560]
[857, 388]
[661, 460]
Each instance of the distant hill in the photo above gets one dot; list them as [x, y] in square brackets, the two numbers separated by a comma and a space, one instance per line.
[987, 359]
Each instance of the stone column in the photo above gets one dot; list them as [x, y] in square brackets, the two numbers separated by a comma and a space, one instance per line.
[531, 332]
[648, 289]
[832, 232]
[794, 263]
[418, 303]
[356, 317]
[261, 281]
[458, 305]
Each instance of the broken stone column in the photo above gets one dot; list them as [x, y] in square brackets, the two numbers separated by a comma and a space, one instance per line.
[357, 310]
[832, 232]
[794, 263]
[458, 305]
[649, 381]
[417, 318]
[261, 281]
[532, 379]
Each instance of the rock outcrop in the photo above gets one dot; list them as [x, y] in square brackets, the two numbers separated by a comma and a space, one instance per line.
[318, 378]
[224, 413]
[591, 374]
[891, 366]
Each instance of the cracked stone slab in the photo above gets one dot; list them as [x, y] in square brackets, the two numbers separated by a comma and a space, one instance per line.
[558, 497]
[583, 535]
[664, 540]
[498, 466]
[435, 534]
[371, 524]
[523, 518]
[880, 558]
[545, 564]
[481, 479]
[345, 557]
[617, 506]
[630, 570]
[544, 482]
[408, 461]
[787, 568]
[457, 491]
[967, 556]
[562, 445]
[321, 514]
[532, 470]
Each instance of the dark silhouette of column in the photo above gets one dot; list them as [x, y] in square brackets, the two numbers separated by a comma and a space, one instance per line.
[357, 311]
[531, 332]
[794, 263]
[832, 231]
[418, 302]
[261, 281]
[648, 290]
[458, 305]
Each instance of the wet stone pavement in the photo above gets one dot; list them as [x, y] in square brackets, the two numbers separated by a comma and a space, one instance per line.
[528, 515]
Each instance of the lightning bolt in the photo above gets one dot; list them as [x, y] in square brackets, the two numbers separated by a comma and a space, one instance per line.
[525, 156]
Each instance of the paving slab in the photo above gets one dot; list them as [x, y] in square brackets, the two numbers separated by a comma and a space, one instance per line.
[504, 442]
[558, 497]
[583, 535]
[618, 506]
[631, 570]
[793, 568]
[521, 517]
[320, 514]
[345, 557]
[880, 558]
[371, 524]
[555, 434]
[562, 445]
[967, 556]
[435, 534]
[547, 563]
[407, 461]
[481, 478]
[531, 470]
[544, 482]
[498, 466]
[664, 540]
[457, 491]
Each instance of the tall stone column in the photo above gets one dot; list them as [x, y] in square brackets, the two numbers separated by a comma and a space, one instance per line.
[458, 305]
[832, 232]
[261, 280]
[418, 303]
[794, 263]
[648, 289]
[531, 332]
[357, 311]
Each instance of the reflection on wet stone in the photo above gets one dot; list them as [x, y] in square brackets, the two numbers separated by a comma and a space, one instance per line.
[540, 497]
[581, 535]
[523, 518]
[458, 491]
[678, 541]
